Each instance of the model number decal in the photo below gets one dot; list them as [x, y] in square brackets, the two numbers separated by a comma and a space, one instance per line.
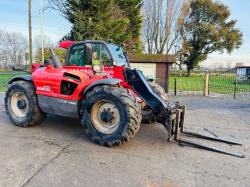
[43, 88]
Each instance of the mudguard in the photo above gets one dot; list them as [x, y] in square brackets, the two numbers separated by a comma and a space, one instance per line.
[110, 81]
[21, 77]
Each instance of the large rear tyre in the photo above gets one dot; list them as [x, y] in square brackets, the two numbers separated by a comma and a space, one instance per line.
[148, 115]
[110, 115]
[21, 104]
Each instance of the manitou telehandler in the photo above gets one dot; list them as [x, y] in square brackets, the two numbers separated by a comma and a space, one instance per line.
[98, 86]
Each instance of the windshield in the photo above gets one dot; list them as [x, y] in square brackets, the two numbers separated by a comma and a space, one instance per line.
[118, 55]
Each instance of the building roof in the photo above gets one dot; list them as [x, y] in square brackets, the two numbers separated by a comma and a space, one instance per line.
[150, 58]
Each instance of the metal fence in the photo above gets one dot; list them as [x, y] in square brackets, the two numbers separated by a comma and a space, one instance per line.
[233, 83]
[223, 83]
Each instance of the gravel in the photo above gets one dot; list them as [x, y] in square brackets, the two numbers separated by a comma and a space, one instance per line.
[57, 153]
[2, 102]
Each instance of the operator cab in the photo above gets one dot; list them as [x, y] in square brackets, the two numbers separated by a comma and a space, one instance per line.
[95, 53]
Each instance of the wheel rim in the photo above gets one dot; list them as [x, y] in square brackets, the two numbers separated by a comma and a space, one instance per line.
[105, 117]
[19, 104]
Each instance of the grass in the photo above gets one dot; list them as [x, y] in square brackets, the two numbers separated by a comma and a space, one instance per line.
[4, 78]
[194, 83]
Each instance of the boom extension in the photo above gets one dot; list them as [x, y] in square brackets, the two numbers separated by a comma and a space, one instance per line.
[171, 116]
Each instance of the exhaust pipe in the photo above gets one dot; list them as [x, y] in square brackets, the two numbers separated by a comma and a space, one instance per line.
[55, 59]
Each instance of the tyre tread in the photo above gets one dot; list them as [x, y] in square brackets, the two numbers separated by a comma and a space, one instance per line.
[130, 104]
[37, 115]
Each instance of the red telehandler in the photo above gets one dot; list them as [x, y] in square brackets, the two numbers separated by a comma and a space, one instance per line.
[98, 86]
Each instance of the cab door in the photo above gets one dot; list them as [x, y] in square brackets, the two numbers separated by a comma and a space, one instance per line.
[101, 53]
[86, 56]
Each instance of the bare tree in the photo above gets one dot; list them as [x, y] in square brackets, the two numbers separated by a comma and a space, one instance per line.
[161, 24]
[47, 42]
[60, 6]
[12, 49]
[1, 34]
[3, 56]
[16, 47]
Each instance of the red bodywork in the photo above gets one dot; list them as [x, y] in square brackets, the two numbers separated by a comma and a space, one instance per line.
[48, 80]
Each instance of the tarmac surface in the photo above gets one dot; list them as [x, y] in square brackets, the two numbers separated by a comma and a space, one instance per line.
[56, 153]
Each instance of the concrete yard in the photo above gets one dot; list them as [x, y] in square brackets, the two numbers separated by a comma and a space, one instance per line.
[56, 153]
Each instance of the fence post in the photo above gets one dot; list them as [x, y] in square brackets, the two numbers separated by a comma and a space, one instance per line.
[175, 87]
[235, 86]
[206, 84]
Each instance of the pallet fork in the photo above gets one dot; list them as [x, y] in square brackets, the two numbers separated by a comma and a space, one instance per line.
[171, 116]
[177, 128]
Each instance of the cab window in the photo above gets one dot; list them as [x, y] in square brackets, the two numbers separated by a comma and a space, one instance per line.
[119, 55]
[100, 55]
[76, 56]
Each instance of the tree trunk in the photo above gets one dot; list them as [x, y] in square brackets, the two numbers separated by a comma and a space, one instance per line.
[180, 69]
[188, 71]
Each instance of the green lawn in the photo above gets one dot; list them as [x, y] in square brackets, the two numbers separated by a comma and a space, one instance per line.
[194, 83]
[4, 78]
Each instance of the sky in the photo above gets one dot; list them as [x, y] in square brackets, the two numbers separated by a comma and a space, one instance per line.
[14, 18]
[240, 10]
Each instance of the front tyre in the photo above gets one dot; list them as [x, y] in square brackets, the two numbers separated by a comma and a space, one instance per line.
[110, 115]
[21, 104]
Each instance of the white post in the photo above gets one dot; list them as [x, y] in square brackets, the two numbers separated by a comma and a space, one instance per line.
[206, 85]
[42, 34]
[30, 35]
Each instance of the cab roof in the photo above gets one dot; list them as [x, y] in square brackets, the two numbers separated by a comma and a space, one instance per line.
[68, 43]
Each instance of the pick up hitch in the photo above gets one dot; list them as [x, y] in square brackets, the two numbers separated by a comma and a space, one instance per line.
[175, 126]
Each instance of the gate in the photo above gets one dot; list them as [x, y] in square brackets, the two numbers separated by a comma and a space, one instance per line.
[234, 83]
